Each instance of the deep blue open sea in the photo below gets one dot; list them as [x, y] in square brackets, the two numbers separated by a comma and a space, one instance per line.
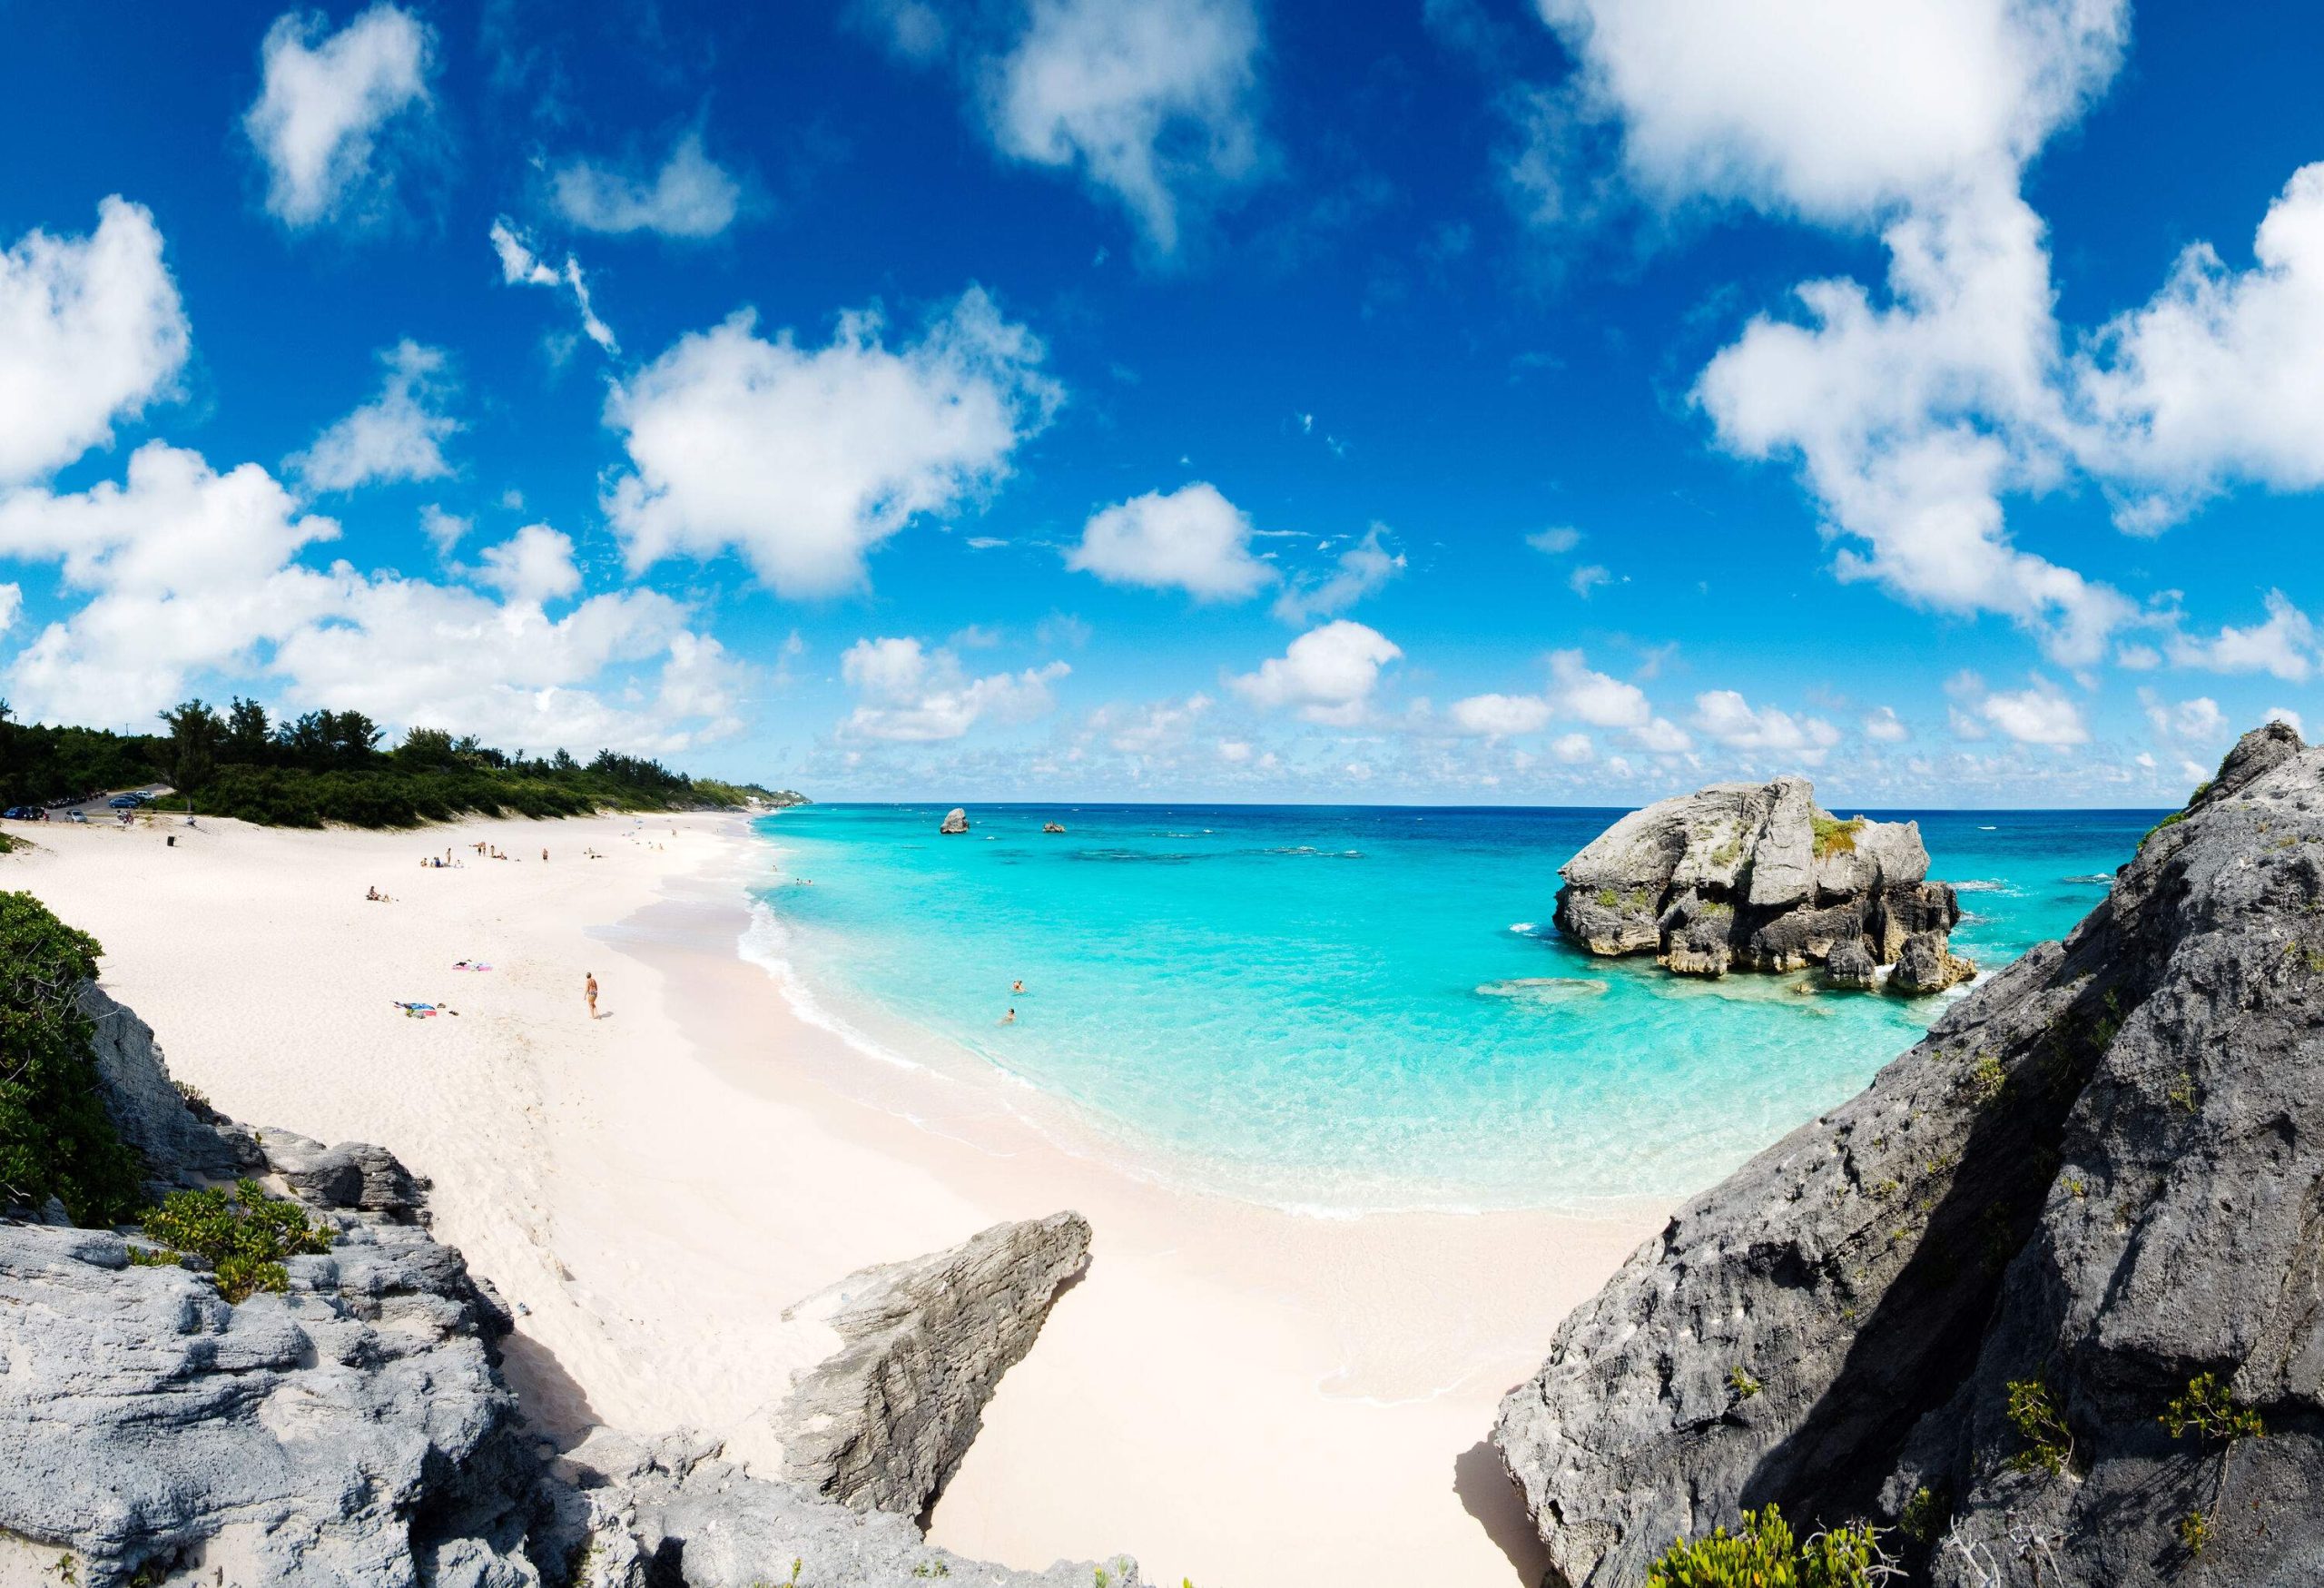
[1352, 1009]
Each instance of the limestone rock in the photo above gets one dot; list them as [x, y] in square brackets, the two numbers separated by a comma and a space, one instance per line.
[956, 821]
[1052, 826]
[1849, 965]
[883, 1422]
[1750, 877]
[1923, 965]
[353, 1174]
[2100, 1173]
[669, 1514]
[147, 1109]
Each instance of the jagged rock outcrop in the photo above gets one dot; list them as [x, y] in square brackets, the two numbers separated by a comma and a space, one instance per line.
[956, 821]
[2100, 1177]
[1849, 965]
[1925, 963]
[633, 1512]
[355, 1431]
[883, 1422]
[1741, 876]
[1052, 826]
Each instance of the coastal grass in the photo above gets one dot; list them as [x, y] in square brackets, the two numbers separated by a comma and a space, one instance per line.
[1833, 836]
[56, 1137]
[243, 1236]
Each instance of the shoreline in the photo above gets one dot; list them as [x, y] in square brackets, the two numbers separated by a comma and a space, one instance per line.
[1274, 1396]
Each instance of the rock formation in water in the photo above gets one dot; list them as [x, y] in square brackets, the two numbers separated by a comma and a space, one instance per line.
[1738, 876]
[354, 1431]
[956, 821]
[2033, 1297]
[1052, 826]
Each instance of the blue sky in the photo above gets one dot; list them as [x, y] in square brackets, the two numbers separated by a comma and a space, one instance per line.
[1461, 400]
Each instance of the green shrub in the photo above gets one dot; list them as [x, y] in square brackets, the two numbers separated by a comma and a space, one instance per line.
[2033, 1411]
[245, 1236]
[2209, 1411]
[1833, 836]
[1764, 1554]
[1926, 1514]
[2194, 1531]
[56, 1137]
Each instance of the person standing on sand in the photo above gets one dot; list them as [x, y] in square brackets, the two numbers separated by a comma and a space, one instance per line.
[544, 857]
[589, 992]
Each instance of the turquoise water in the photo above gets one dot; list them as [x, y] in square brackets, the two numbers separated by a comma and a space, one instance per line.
[1354, 1009]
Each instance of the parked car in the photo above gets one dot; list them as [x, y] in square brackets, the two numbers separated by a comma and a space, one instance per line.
[23, 813]
[126, 802]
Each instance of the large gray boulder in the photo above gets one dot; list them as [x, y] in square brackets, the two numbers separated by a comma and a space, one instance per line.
[2100, 1177]
[1752, 877]
[956, 822]
[884, 1421]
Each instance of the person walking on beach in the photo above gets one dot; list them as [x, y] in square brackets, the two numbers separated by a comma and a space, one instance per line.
[589, 992]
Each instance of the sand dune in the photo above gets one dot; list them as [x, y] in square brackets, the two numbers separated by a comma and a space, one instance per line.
[1234, 1395]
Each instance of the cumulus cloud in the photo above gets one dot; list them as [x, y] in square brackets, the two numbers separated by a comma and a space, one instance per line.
[1327, 674]
[1362, 569]
[803, 460]
[521, 266]
[1726, 717]
[1555, 541]
[91, 331]
[913, 31]
[1502, 715]
[189, 573]
[1882, 726]
[1573, 749]
[444, 530]
[2199, 721]
[1192, 539]
[2039, 715]
[1160, 727]
[1588, 577]
[532, 567]
[689, 196]
[1153, 100]
[1597, 698]
[2283, 646]
[912, 695]
[330, 105]
[12, 602]
[398, 435]
[2220, 377]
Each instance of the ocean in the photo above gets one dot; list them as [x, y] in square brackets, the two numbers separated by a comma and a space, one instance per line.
[1341, 1011]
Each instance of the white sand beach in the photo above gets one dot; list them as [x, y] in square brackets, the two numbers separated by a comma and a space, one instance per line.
[1235, 1396]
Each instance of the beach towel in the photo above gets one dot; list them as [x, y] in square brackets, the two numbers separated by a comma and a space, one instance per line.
[470, 965]
[423, 1010]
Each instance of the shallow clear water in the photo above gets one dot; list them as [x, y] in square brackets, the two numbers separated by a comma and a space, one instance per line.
[1352, 1009]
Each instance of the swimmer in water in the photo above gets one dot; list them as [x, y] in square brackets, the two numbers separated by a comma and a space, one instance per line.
[1009, 1018]
[1016, 987]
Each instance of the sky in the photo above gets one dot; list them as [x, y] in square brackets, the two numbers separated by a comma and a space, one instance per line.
[1444, 402]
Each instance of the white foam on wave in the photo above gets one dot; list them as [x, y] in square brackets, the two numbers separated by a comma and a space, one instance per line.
[766, 943]
[1524, 928]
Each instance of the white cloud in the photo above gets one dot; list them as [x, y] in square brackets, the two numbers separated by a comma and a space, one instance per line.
[2284, 646]
[1573, 749]
[914, 696]
[12, 602]
[804, 459]
[1192, 538]
[1662, 736]
[1363, 569]
[532, 567]
[1882, 726]
[398, 435]
[691, 196]
[191, 572]
[915, 30]
[1832, 110]
[1150, 730]
[444, 530]
[324, 118]
[1729, 719]
[1327, 674]
[1597, 699]
[1555, 542]
[521, 266]
[1500, 716]
[1586, 579]
[2220, 377]
[1152, 99]
[1234, 751]
[2198, 721]
[2039, 714]
[91, 331]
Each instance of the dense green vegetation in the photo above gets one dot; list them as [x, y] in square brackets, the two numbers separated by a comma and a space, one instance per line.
[1765, 1554]
[330, 766]
[244, 1236]
[56, 1137]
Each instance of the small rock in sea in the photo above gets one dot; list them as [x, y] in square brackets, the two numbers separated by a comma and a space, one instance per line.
[1850, 964]
[1052, 826]
[956, 821]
